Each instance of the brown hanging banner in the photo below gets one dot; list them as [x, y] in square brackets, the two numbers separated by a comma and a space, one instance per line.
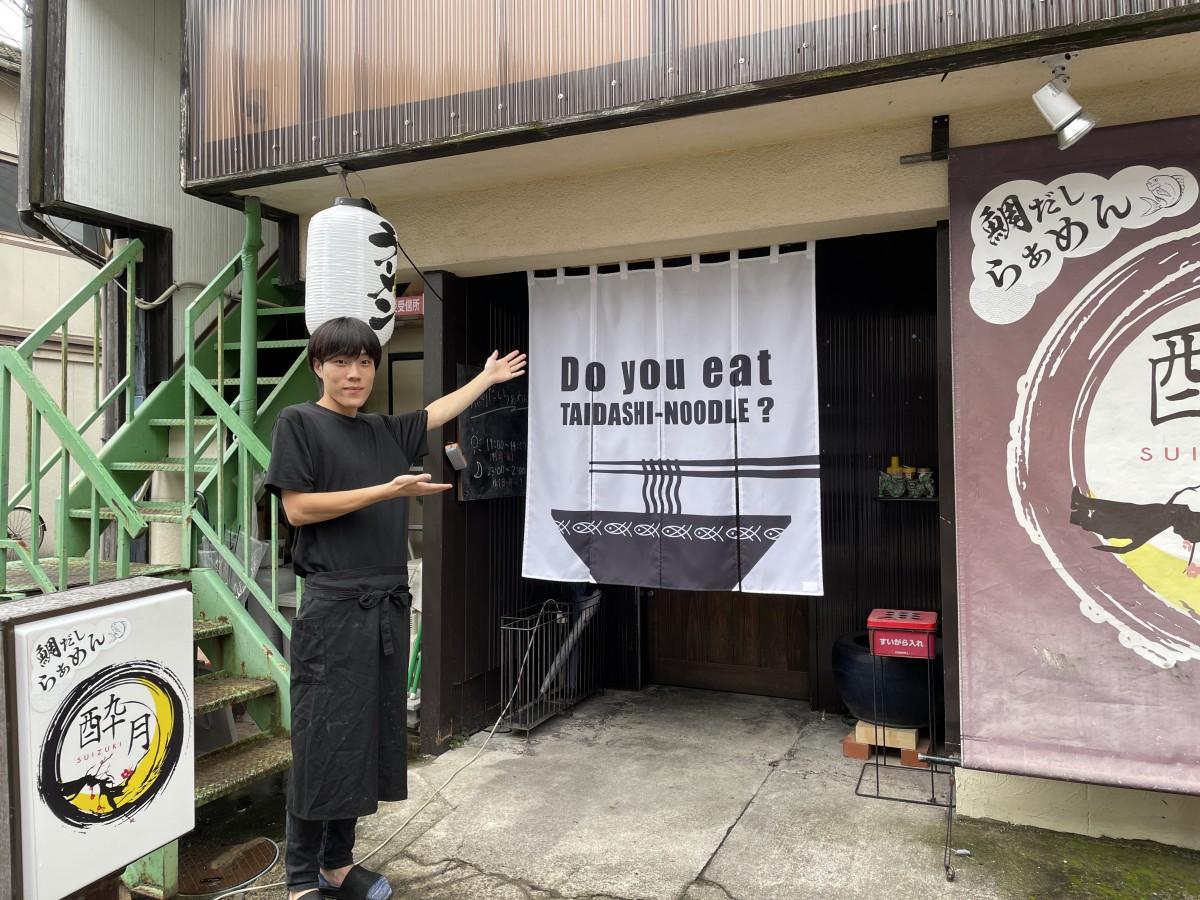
[1076, 328]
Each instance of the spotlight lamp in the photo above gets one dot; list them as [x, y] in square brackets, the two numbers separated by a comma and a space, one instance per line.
[1058, 107]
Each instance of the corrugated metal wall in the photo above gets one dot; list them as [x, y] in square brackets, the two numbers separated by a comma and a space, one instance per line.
[877, 371]
[278, 83]
[497, 319]
[121, 134]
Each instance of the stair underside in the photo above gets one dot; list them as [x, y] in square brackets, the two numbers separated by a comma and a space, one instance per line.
[222, 689]
[240, 765]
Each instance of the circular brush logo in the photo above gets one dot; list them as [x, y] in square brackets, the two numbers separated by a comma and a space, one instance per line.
[113, 744]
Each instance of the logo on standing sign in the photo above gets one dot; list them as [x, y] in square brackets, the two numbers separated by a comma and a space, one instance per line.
[113, 744]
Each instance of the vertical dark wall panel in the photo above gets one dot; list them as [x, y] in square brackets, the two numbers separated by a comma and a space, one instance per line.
[442, 622]
[497, 319]
[473, 549]
[877, 371]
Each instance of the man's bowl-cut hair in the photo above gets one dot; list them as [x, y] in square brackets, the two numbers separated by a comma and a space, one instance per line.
[343, 336]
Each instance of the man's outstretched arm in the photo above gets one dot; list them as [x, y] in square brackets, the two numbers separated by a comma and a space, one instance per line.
[308, 508]
[495, 371]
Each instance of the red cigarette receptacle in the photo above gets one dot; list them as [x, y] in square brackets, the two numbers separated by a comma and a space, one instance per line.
[903, 632]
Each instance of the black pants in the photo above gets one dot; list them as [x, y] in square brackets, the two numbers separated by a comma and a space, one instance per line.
[312, 845]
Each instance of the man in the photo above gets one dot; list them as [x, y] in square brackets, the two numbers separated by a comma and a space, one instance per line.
[342, 476]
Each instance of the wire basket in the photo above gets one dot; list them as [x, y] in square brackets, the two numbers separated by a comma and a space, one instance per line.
[550, 659]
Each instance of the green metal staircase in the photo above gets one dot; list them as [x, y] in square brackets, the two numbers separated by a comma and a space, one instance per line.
[208, 426]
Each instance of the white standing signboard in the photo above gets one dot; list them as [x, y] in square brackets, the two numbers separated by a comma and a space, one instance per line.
[104, 736]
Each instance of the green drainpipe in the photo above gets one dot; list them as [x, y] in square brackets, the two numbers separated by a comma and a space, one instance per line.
[248, 366]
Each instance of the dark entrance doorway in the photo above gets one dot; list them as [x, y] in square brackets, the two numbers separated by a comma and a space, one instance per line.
[877, 370]
[745, 643]
[877, 362]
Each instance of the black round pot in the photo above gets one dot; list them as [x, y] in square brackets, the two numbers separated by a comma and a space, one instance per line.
[905, 681]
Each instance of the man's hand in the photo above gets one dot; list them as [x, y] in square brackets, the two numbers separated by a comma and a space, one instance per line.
[306, 508]
[497, 370]
[415, 486]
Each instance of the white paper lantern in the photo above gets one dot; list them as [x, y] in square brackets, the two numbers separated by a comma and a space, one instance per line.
[351, 267]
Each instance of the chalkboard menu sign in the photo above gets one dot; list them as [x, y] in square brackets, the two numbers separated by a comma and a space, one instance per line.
[493, 435]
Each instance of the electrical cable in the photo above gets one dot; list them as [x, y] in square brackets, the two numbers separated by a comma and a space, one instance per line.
[342, 172]
[387, 840]
[47, 227]
[416, 268]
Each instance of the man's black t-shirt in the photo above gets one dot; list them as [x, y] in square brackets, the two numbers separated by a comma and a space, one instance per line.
[315, 449]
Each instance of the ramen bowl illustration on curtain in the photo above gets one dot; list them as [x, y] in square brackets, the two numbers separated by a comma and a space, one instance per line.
[662, 544]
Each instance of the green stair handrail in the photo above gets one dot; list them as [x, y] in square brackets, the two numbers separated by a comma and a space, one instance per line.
[234, 425]
[42, 409]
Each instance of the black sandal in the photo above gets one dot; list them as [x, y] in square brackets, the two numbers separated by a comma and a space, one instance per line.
[359, 884]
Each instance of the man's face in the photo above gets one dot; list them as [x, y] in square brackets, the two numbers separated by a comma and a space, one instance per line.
[347, 379]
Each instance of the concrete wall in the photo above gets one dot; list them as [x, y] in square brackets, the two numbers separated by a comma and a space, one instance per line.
[121, 135]
[10, 114]
[36, 277]
[830, 186]
[1088, 809]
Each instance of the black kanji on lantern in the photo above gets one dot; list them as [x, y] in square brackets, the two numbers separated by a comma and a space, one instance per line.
[385, 239]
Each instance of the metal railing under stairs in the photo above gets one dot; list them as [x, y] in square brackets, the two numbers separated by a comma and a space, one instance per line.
[225, 441]
[231, 519]
[44, 412]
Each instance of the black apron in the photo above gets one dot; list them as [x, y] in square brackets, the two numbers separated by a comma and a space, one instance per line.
[350, 693]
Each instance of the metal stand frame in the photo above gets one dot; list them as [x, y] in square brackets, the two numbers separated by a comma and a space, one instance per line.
[951, 764]
[938, 765]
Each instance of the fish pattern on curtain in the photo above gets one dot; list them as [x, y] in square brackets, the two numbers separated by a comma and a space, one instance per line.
[673, 435]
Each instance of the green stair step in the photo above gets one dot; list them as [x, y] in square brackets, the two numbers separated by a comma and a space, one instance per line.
[207, 629]
[241, 764]
[273, 345]
[170, 464]
[222, 689]
[150, 510]
[281, 310]
[179, 423]
[272, 379]
[78, 572]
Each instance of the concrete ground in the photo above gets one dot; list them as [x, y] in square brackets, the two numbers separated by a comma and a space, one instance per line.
[696, 795]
